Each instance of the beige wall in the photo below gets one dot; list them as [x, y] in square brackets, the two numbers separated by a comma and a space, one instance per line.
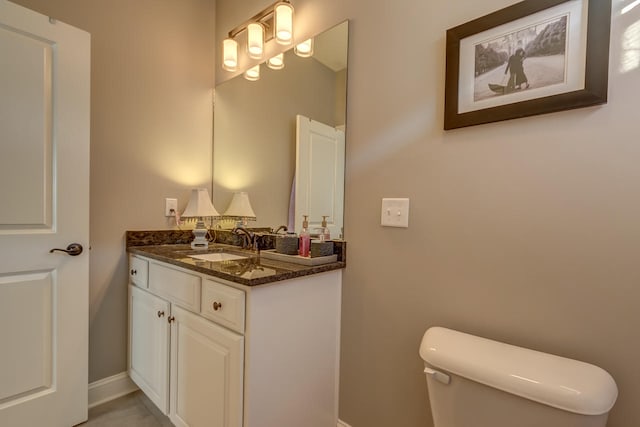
[151, 113]
[525, 231]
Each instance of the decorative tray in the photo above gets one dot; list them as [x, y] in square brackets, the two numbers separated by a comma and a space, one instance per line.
[297, 259]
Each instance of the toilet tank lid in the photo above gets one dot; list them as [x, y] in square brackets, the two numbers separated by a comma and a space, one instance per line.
[555, 381]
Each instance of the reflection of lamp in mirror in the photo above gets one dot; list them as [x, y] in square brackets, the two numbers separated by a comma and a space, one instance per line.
[276, 62]
[240, 209]
[253, 73]
[230, 54]
[200, 207]
[304, 49]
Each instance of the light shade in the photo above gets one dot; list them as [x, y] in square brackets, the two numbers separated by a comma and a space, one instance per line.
[200, 205]
[283, 22]
[253, 73]
[276, 62]
[240, 207]
[304, 49]
[255, 40]
[230, 54]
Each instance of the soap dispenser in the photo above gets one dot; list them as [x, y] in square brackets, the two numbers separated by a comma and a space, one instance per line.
[325, 234]
[305, 238]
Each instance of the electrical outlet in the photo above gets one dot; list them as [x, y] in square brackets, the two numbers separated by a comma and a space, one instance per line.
[169, 205]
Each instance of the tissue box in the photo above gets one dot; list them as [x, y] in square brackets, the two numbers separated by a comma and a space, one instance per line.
[287, 245]
[319, 248]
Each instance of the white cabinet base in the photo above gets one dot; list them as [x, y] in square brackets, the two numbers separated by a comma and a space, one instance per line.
[283, 372]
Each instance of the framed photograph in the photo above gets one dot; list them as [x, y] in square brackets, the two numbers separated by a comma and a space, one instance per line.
[535, 57]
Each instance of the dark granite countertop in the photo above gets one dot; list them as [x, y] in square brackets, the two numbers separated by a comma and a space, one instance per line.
[250, 271]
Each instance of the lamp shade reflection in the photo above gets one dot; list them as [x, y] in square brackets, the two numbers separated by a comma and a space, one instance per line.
[240, 207]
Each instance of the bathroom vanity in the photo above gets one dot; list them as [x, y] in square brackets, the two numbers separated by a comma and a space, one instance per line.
[241, 342]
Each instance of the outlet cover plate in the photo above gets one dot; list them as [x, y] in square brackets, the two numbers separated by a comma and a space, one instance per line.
[395, 213]
[170, 204]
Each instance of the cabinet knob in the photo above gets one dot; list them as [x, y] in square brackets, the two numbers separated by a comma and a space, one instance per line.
[217, 306]
[171, 319]
[134, 272]
[160, 313]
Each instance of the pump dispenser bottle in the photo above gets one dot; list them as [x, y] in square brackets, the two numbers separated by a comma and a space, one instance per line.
[305, 238]
[325, 234]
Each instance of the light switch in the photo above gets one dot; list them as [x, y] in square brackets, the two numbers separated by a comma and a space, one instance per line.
[395, 213]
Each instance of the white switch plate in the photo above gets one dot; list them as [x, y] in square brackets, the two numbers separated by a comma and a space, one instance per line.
[170, 204]
[395, 213]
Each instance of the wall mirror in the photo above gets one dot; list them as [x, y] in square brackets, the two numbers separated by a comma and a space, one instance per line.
[281, 138]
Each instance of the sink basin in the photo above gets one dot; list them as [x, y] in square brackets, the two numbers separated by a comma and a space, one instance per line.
[218, 256]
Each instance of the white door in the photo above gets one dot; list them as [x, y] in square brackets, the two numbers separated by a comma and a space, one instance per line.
[44, 204]
[319, 183]
[149, 345]
[206, 373]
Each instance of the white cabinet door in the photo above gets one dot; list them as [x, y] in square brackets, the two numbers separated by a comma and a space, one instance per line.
[149, 345]
[206, 373]
[44, 204]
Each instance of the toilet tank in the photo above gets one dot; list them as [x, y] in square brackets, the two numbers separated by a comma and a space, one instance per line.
[477, 382]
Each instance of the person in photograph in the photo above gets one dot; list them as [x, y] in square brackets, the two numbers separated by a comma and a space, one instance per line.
[515, 66]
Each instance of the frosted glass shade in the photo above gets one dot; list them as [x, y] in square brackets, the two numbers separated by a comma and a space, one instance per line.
[255, 40]
[276, 62]
[304, 49]
[253, 73]
[283, 23]
[240, 206]
[200, 205]
[230, 55]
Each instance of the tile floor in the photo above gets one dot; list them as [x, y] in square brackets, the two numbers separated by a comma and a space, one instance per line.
[132, 410]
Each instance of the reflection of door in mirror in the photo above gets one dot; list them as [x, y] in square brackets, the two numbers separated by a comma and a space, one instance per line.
[319, 178]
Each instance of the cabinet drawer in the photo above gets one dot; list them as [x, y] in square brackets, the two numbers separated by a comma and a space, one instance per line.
[138, 271]
[223, 304]
[177, 286]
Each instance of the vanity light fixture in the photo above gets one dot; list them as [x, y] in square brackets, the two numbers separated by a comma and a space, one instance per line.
[230, 55]
[283, 22]
[200, 207]
[240, 209]
[255, 40]
[253, 73]
[276, 62]
[275, 21]
[304, 49]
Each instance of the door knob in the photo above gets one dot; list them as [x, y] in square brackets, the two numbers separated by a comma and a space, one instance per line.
[74, 249]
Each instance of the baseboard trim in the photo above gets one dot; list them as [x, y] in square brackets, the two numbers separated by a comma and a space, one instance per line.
[342, 424]
[110, 388]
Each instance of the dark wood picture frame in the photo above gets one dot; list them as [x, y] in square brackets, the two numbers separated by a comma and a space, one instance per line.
[595, 72]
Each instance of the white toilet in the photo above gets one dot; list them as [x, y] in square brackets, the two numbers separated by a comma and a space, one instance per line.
[476, 382]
